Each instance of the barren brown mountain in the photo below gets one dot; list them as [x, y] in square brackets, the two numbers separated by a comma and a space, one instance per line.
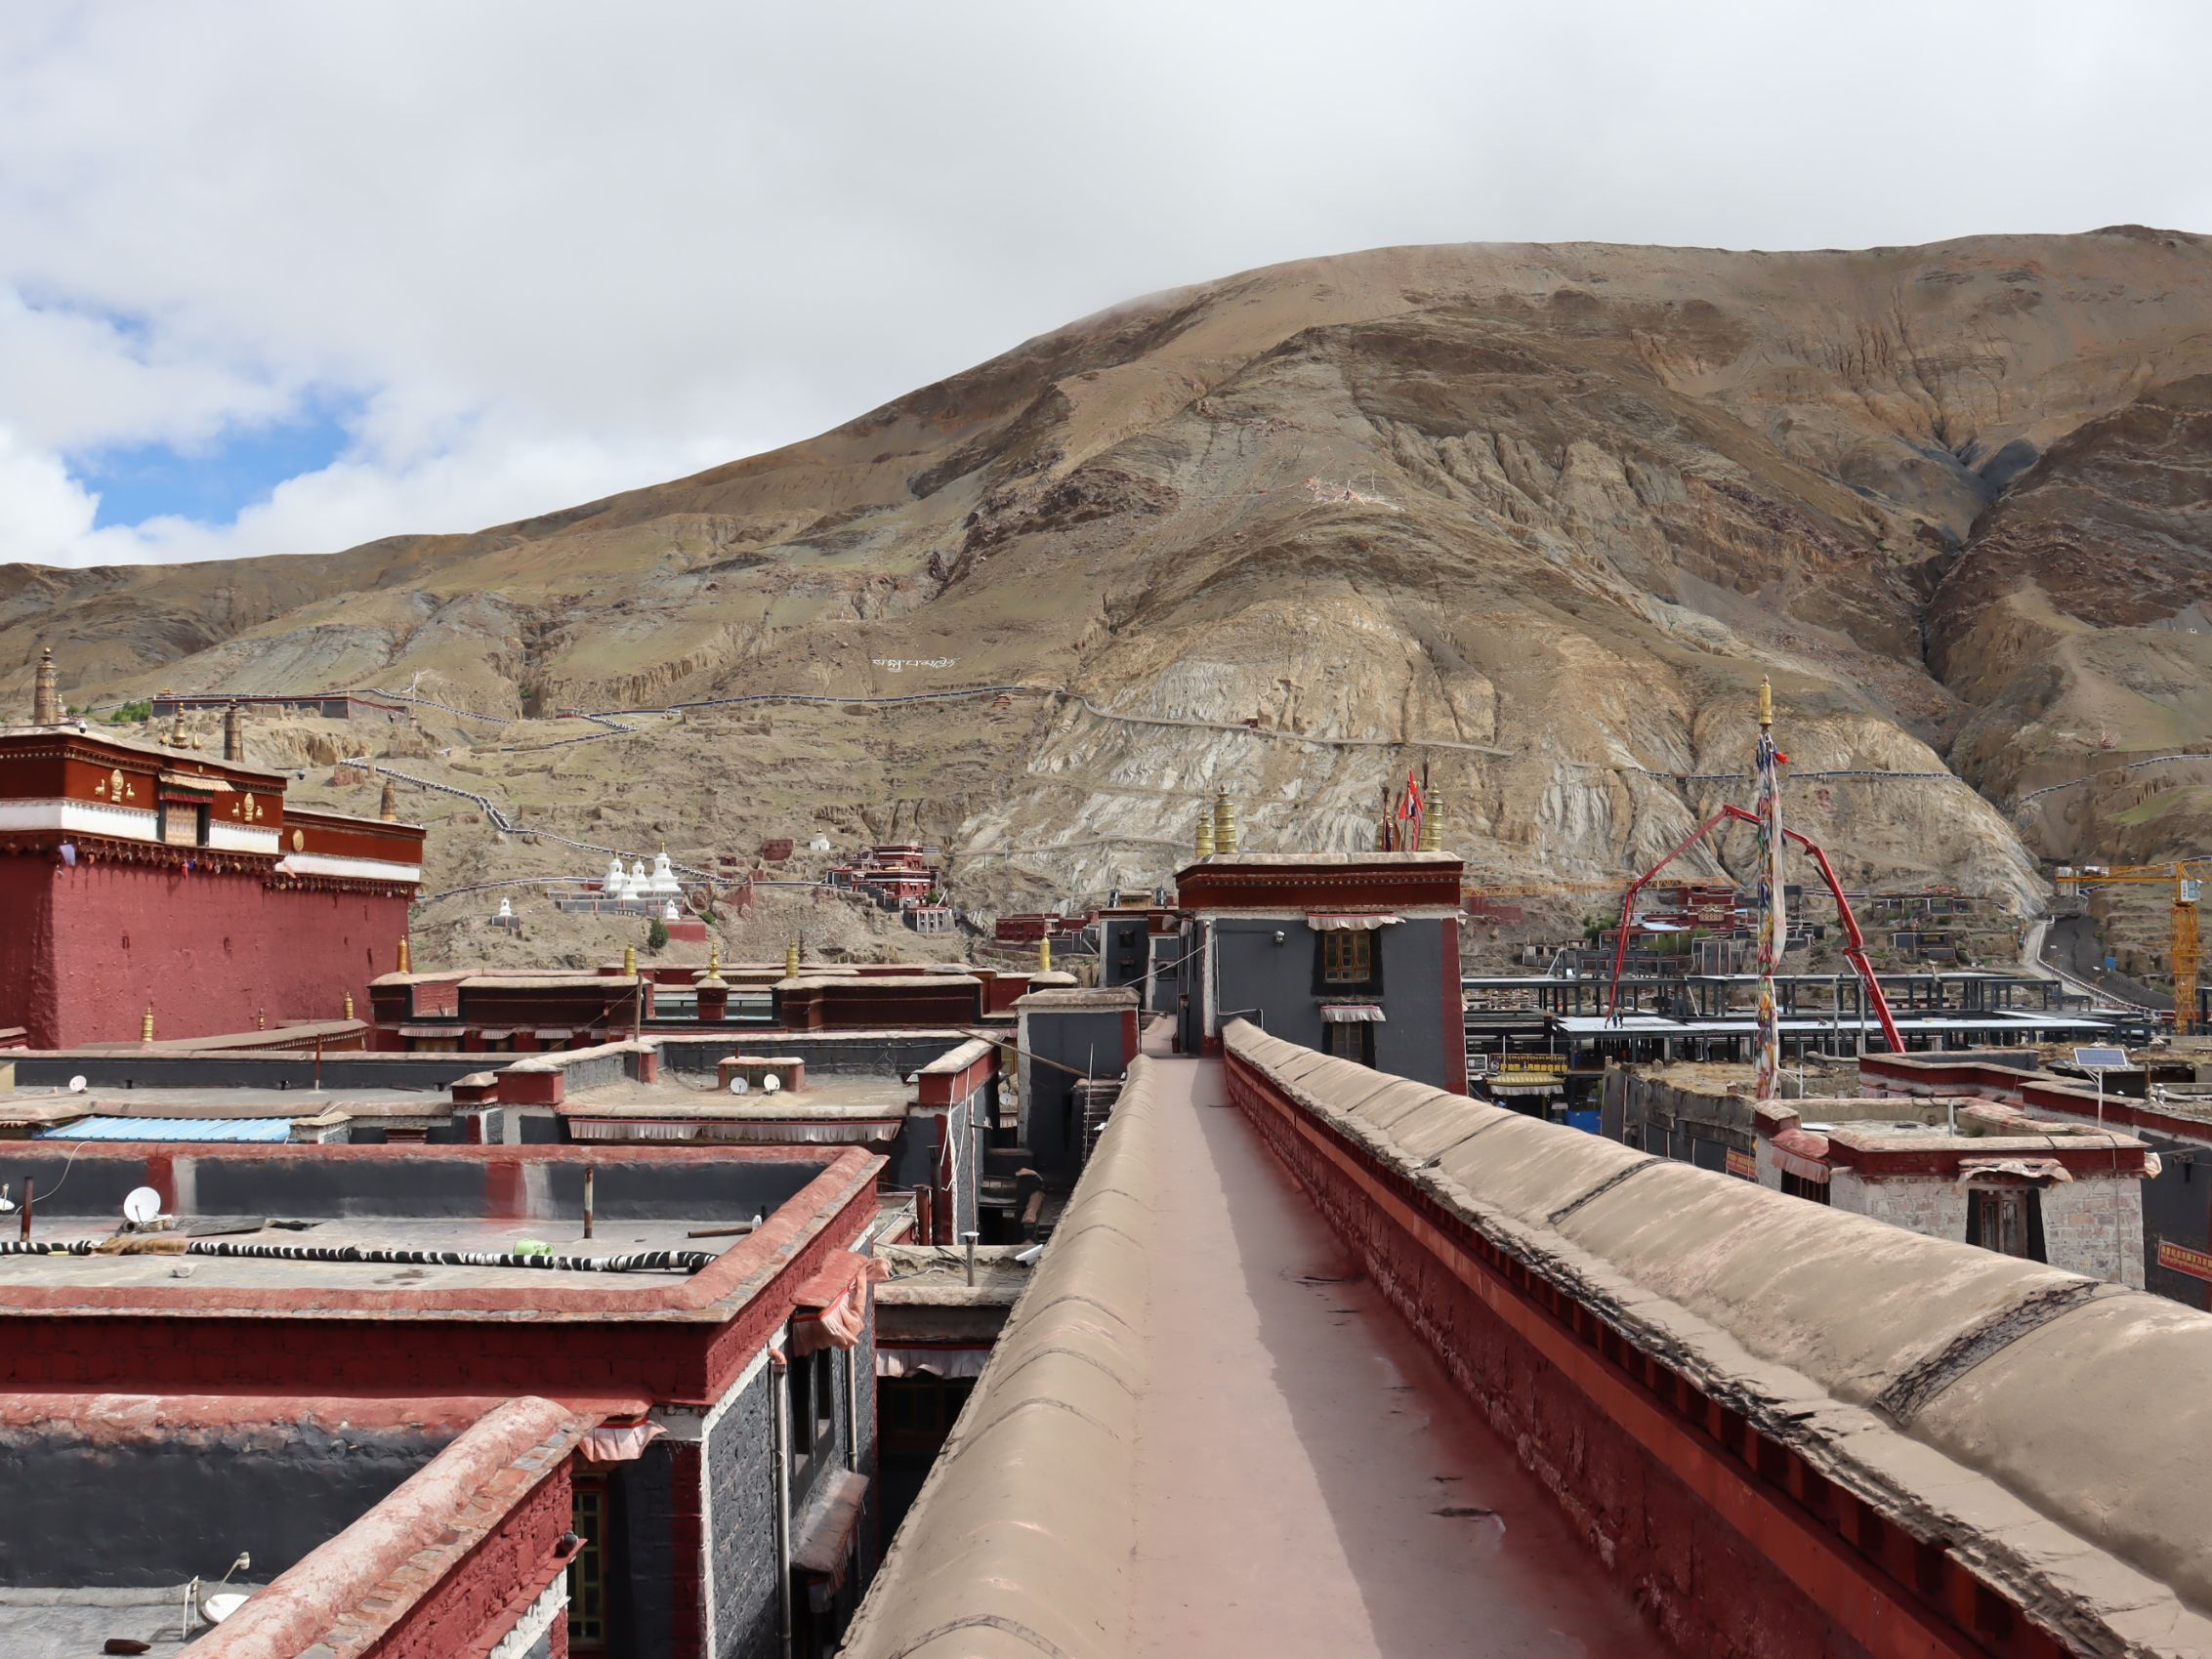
[1537, 517]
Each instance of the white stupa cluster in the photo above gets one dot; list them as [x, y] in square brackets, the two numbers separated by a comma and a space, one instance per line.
[658, 891]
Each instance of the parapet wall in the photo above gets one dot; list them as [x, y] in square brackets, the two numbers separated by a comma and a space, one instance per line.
[1794, 1430]
[1020, 1541]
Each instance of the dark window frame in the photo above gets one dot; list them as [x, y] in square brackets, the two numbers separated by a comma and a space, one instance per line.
[1325, 985]
[1984, 1222]
[592, 1506]
[1352, 1040]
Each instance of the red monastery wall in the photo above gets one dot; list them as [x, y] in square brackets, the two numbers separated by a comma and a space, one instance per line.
[83, 950]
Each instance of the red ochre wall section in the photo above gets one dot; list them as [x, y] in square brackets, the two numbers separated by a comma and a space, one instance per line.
[84, 949]
[1710, 1541]
[479, 1601]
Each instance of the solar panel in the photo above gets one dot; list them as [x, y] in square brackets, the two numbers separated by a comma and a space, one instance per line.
[2100, 1059]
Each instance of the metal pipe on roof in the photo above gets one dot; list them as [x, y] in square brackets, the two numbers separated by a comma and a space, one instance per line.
[780, 1388]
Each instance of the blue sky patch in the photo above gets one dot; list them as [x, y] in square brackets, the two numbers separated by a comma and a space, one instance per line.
[212, 483]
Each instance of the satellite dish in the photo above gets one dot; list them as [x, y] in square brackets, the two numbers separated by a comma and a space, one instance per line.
[737, 1084]
[77, 1084]
[141, 1206]
[216, 1608]
[770, 1082]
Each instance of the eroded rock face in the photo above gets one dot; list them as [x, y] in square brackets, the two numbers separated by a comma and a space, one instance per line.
[1536, 516]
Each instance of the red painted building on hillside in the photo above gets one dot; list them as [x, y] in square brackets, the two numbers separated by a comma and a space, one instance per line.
[134, 875]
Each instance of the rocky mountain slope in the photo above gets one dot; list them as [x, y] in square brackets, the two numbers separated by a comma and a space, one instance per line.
[1536, 516]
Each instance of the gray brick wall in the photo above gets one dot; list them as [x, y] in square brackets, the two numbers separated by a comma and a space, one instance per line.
[642, 1493]
[739, 1470]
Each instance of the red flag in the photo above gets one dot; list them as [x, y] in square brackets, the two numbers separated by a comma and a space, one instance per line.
[1412, 807]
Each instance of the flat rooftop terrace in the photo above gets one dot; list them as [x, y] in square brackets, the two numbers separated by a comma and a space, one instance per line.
[678, 1094]
[320, 1246]
[1307, 1478]
[396, 1228]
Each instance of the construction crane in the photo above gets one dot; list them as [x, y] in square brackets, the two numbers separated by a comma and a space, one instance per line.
[1854, 942]
[2186, 877]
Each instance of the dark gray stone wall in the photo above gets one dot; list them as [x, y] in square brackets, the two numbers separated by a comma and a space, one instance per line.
[642, 1502]
[739, 1468]
[913, 1154]
[2176, 1206]
[1283, 983]
[137, 1514]
[1123, 950]
[1087, 1040]
[1166, 949]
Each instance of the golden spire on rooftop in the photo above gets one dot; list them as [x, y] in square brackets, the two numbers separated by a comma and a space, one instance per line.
[1044, 955]
[791, 960]
[406, 956]
[1225, 822]
[1205, 832]
[387, 806]
[629, 961]
[146, 1022]
[349, 1005]
[1432, 824]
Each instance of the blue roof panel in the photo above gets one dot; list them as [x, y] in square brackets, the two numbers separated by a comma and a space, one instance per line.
[249, 1129]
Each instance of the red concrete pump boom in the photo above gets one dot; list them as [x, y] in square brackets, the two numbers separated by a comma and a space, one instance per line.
[1855, 947]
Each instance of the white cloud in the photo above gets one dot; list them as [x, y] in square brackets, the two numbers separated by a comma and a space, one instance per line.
[41, 507]
[555, 248]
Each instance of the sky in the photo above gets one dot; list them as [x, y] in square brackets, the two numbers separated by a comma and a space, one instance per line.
[283, 279]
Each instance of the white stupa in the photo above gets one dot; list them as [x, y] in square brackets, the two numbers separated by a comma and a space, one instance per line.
[506, 911]
[612, 883]
[664, 880]
[669, 912]
[640, 884]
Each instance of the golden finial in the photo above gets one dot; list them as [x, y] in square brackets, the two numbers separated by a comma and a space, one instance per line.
[629, 961]
[178, 738]
[1044, 955]
[1432, 815]
[791, 960]
[1766, 702]
[1225, 822]
[387, 806]
[406, 956]
[1205, 833]
[261, 1020]
[145, 1024]
[349, 1005]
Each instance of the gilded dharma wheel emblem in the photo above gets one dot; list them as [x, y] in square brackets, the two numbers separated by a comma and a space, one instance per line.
[299, 840]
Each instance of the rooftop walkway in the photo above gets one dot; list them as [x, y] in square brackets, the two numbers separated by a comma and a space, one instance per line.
[1306, 1479]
